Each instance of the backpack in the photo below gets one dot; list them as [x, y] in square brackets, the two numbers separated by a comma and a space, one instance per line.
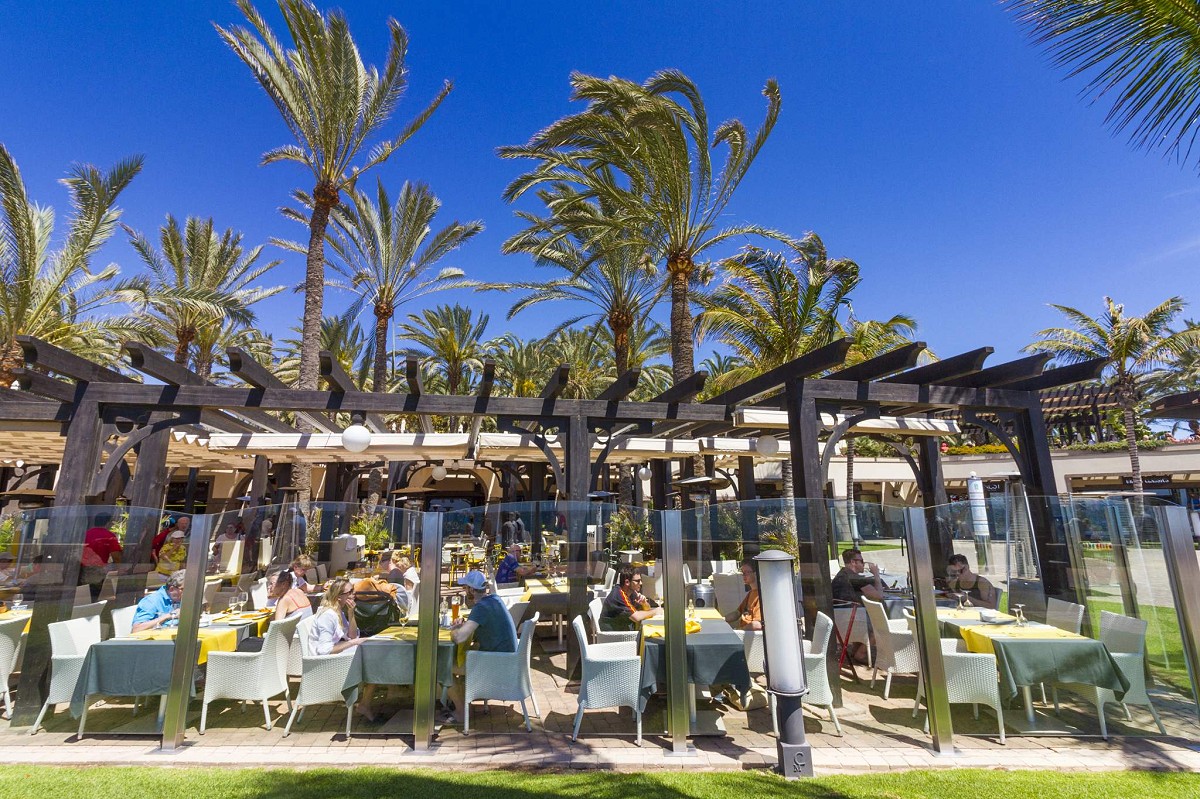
[375, 611]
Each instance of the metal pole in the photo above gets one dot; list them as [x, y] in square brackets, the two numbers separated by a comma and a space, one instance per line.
[784, 660]
[187, 644]
[675, 602]
[1183, 573]
[429, 591]
[929, 645]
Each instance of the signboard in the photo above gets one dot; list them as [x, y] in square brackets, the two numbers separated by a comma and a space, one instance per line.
[993, 486]
[1149, 480]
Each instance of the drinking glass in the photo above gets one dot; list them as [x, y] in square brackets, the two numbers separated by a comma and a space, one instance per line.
[18, 600]
[1020, 614]
[691, 609]
[960, 596]
[243, 600]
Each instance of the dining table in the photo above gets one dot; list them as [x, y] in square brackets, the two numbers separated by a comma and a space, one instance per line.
[389, 657]
[551, 597]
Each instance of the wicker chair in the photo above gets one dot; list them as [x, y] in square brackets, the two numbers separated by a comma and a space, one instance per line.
[970, 677]
[251, 676]
[323, 677]
[729, 590]
[606, 636]
[610, 678]
[1064, 615]
[12, 636]
[123, 621]
[501, 676]
[895, 645]
[1125, 638]
[820, 693]
[69, 643]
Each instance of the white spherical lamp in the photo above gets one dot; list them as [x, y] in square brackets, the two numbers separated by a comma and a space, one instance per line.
[439, 472]
[356, 438]
[644, 473]
[767, 446]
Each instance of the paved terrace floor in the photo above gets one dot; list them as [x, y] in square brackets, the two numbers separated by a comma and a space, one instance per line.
[879, 736]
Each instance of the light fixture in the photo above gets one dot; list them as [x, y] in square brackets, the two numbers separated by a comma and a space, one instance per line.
[439, 472]
[356, 437]
[767, 446]
[644, 473]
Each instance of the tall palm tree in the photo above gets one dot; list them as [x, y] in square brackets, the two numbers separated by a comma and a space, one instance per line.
[387, 253]
[212, 342]
[212, 269]
[869, 339]
[1144, 57]
[522, 365]
[55, 295]
[1133, 346]
[615, 279]
[637, 161]
[345, 340]
[333, 105]
[449, 338]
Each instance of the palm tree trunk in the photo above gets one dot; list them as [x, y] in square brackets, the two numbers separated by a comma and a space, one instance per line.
[1135, 462]
[12, 357]
[789, 495]
[379, 375]
[310, 335]
[851, 508]
[682, 365]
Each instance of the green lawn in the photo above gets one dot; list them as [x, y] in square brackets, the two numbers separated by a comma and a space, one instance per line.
[868, 546]
[22, 782]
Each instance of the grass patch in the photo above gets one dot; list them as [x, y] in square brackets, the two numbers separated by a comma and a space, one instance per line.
[867, 546]
[369, 783]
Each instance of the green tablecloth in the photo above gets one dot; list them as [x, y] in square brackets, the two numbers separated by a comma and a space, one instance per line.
[124, 667]
[389, 657]
[715, 655]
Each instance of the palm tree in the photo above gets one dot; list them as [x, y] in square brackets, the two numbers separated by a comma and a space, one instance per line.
[448, 338]
[615, 279]
[1180, 376]
[1133, 346]
[637, 162]
[55, 295]
[387, 253]
[869, 339]
[522, 365]
[592, 368]
[212, 342]
[1141, 55]
[199, 281]
[333, 105]
[345, 340]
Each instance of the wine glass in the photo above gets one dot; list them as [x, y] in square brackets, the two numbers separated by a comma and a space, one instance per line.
[243, 600]
[18, 601]
[960, 596]
[1020, 614]
[691, 609]
[967, 600]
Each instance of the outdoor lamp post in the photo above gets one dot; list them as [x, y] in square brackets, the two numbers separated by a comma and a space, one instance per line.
[785, 660]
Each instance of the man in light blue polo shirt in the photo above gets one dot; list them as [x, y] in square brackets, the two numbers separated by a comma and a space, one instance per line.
[160, 606]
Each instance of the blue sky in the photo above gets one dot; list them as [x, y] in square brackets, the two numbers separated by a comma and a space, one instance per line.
[928, 141]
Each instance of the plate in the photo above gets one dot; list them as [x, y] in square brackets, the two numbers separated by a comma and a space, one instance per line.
[999, 621]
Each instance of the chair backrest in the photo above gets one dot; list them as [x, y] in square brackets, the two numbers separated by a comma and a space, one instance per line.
[755, 651]
[229, 556]
[246, 582]
[581, 634]
[83, 594]
[89, 610]
[687, 574]
[652, 586]
[310, 576]
[1122, 633]
[304, 635]
[322, 573]
[258, 594]
[1031, 594]
[729, 590]
[594, 609]
[1064, 615]
[278, 642]
[879, 622]
[822, 629]
[123, 621]
[596, 572]
[10, 643]
[723, 566]
[610, 577]
[1000, 598]
[211, 586]
[525, 642]
[517, 609]
[73, 637]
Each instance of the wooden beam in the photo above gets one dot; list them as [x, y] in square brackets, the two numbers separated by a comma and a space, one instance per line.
[150, 362]
[36, 410]
[622, 387]
[1175, 406]
[685, 390]
[335, 375]
[487, 380]
[45, 386]
[1063, 376]
[557, 383]
[412, 375]
[892, 361]
[819, 360]
[257, 375]
[923, 397]
[67, 364]
[946, 369]
[1003, 374]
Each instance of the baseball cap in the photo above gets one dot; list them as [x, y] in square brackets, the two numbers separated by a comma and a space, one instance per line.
[474, 579]
[176, 534]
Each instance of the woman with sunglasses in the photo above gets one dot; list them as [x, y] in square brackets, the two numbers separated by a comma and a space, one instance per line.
[335, 629]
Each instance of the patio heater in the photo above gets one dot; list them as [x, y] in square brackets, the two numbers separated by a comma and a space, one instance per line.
[979, 520]
[784, 660]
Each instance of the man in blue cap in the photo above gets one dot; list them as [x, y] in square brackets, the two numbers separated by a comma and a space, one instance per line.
[489, 625]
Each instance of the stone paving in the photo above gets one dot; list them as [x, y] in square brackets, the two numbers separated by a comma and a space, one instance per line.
[879, 736]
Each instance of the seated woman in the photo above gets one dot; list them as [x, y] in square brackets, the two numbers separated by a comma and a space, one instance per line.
[625, 606]
[335, 630]
[289, 600]
[748, 615]
[961, 579]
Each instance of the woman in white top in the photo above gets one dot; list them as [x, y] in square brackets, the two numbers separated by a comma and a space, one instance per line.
[335, 629]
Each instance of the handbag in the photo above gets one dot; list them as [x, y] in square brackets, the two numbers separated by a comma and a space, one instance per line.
[375, 611]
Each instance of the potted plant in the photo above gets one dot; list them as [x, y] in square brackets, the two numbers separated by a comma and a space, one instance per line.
[627, 537]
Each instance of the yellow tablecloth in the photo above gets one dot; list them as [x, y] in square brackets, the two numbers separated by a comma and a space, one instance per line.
[398, 633]
[258, 621]
[17, 614]
[979, 637]
[212, 639]
[969, 614]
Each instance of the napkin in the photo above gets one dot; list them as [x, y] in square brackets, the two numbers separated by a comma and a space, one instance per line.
[659, 630]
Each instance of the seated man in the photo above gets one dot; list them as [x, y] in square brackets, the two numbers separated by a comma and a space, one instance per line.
[489, 625]
[510, 569]
[161, 606]
[961, 579]
[748, 614]
[625, 606]
[853, 582]
[389, 569]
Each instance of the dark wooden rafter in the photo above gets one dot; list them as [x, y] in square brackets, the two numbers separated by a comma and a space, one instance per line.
[888, 363]
[487, 381]
[412, 376]
[338, 380]
[149, 361]
[257, 375]
[685, 390]
[1002, 374]
[68, 364]
[819, 360]
[557, 383]
[622, 387]
[1062, 376]
[946, 369]
[1177, 406]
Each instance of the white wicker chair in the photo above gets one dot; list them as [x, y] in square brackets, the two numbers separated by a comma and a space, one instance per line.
[258, 594]
[251, 676]
[501, 676]
[517, 610]
[595, 608]
[729, 590]
[69, 643]
[723, 566]
[1125, 638]
[323, 677]
[895, 645]
[12, 636]
[859, 633]
[611, 674]
[89, 610]
[970, 677]
[123, 621]
[83, 595]
[1064, 615]
[820, 693]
